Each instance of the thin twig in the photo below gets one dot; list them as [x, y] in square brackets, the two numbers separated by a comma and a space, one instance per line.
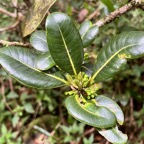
[37, 109]
[117, 13]
[4, 98]
[131, 110]
[112, 16]
[10, 27]
[7, 43]
[61, 115]
[4, 11]
[57, 126]
[11, 84]
[94, 14]
[17, 15]
[89, 131]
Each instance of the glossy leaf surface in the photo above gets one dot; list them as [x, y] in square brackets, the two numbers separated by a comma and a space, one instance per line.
[89, 113]
[113, 57]
[20, 63]
[114, 135]
[112, 106]
[36, 15]
[44, 61]
[38, 41]
[84, 27]
[90, 36]
[64, 41]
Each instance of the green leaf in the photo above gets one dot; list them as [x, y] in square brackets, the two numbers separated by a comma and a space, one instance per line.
[4, 129]
[20, 63]
[44, 61]
[38, 41]
[28, 108]
[36, 15]
[89, 113]
[12, 95]
[90, 36]
[84, 27]
[64, 41]
[90, 140]
[109, 4]
[113, 57]
[88, 32]
[15, 120]
[112, 106]
[114, 135]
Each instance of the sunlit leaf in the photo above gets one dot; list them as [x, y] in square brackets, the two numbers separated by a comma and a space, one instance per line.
[21, 64]
[114, 135]
[45, 61]
[113, 57]
[89, 113]
[84, 27]
[112, 106]
[90, 36]
[64, 42]
[38, 41]
[88, 32]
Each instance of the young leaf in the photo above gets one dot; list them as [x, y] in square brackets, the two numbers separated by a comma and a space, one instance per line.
[114, 135]
[84, 27]
[20, 63]
[88, 32]
[114, 55]
[64, 41]
[89, 113]
[38, 41]
[90, 36]
[112, 106]
[36, 15]
[44, 61]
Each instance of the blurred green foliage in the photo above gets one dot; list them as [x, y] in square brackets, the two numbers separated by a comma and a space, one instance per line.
[21, 108]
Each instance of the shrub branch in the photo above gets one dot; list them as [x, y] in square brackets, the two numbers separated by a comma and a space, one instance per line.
[117, 13]
[109, 18]
[7, 43]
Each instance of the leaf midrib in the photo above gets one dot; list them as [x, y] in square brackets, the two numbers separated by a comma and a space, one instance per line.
[89, 111]
[58, 78]
[97, 72]
[66, 48]
[76, 98]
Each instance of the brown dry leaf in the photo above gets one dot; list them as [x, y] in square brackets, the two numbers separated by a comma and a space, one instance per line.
[36, 15]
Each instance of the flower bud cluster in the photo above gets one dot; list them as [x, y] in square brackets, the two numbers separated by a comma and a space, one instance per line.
[80, 85]
[79, 81]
